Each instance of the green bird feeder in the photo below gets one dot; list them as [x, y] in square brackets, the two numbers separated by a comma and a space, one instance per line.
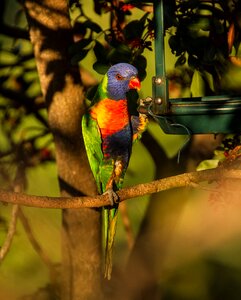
[197, 115]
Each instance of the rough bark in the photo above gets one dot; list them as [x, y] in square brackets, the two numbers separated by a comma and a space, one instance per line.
[50, 34]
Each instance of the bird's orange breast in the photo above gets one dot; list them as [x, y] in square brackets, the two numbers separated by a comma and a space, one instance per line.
[112, 116]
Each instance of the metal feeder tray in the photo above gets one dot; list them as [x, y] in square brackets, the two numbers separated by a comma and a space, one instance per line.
[198, 115]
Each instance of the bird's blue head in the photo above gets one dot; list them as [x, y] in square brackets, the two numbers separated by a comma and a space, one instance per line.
[121, 78]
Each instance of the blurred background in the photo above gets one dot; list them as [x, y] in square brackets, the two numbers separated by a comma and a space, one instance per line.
[183, 243]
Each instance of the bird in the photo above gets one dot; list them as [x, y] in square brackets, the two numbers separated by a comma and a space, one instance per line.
[109, 131]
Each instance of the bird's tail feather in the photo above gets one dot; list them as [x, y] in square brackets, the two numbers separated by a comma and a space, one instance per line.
[110, 225]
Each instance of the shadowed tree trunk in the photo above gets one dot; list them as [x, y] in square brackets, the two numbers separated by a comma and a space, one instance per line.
[50, 35]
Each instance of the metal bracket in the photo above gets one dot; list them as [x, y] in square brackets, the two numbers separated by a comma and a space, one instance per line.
[160, 95]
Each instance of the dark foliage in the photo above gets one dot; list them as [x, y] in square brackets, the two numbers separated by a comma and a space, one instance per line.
[122, 42]
[201, 37]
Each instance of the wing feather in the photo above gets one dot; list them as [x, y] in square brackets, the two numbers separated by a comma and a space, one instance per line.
[92, 140]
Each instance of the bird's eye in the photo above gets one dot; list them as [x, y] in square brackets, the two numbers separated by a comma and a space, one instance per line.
[119, 77]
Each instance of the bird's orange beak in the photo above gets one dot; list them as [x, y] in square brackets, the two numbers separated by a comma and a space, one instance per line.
[135, 83]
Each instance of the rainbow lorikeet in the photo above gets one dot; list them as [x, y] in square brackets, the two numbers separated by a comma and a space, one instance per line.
[109, 131]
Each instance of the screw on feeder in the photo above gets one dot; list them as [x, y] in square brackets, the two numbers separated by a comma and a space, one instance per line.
[158, 101]
[159, 93]
[158, 80]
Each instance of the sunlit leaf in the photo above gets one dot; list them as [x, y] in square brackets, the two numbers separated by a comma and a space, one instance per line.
[197, 85]
[208, 164]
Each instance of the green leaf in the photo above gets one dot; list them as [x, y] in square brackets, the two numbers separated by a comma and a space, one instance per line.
[134, 30]
[79, 29]
[181, 60]
[193, 61]
[79, 56]
[120, 54]
[140, 63]
[97, 7]
[92, 26]
[208, 164]
[79, 46]
[91, 92]
[175, 44]
[100, 52]
[100, 68]
[144, 18]
[197, 85]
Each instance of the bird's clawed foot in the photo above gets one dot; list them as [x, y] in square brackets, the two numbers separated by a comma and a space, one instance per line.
[113, 197]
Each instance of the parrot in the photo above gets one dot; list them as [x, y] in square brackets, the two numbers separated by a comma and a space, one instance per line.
[109, 131]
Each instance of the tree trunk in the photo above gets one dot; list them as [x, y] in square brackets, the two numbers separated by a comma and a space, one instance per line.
[50, 34]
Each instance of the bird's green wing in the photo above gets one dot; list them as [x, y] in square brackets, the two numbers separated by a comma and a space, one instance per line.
[102, 169]
[92, 140]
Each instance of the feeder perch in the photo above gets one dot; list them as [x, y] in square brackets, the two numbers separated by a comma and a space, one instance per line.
[197, 115]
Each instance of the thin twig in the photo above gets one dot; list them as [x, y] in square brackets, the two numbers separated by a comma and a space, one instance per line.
[15, 32]
[11, 231]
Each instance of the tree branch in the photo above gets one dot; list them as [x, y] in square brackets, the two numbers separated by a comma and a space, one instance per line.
[14, 31]
[11, 232]
[182, 180]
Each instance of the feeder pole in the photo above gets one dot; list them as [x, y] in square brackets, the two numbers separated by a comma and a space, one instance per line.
[159, 82]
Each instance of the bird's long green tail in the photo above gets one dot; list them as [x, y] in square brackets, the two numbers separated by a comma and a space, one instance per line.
[110, 231]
